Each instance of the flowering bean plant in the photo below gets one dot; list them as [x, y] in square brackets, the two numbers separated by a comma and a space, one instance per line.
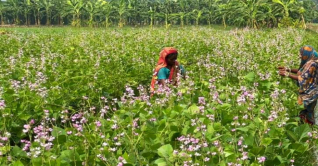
[81, 97]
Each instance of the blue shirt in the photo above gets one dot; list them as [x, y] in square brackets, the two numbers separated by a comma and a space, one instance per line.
[165, 72]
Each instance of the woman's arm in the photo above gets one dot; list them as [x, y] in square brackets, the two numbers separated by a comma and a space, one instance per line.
[287, 74]
[293, 70]
[162, 82]
[294, 77]
[287, 69]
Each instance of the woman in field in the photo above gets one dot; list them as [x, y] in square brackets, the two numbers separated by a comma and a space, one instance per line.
[167, 69]
[307, 79]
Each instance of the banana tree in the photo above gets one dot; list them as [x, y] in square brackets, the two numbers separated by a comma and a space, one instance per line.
[2, 10]
[59, 11]
[47, 5]
[15, 9]
[92, 8]
[27, 8]
[222, 12]
[37, 11]
[209, 10]
[286, 5]
[106, 10]
[121, 9]
[247, 12]
[152, 16]
[270, 16]
[311, 10]
[182, 13]
[75, 7]
[198, 14]
[165, 9]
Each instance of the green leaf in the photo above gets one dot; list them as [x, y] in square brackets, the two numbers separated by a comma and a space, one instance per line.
[217, 126]
[228, 152]
[165, 151]
[17, 163]
[302, 131]
[58, 131]
[24, 116]
[245, 129]
[210, 129]
[193, 109]
[266, 141]
[250, 77]
[36, 161]
[292, 135]
[266, 85]
[161, 162]
[18, 152]
[280, 159]
[68, 156]
[224, 106]
[256, 151]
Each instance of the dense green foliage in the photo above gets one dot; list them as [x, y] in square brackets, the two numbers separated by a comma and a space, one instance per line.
[79, 97]
[252, 13]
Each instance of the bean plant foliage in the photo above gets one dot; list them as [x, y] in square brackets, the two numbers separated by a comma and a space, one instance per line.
[80, 97]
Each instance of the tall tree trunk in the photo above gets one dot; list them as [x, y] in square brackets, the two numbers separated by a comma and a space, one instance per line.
[120, 24]
[223, 20]
[34, 15]
[47, 17]
[151, 22]
[29, 19]
[16, 19]
[166, 20]
[39, 19]
[1, 18]
[107, 19]
[303, 21]
[60, 20]
[26, 18]
[91, 20]
[181, 19]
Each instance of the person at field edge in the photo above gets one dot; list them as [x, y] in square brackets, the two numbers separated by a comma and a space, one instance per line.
[167, 68]
[307, 80]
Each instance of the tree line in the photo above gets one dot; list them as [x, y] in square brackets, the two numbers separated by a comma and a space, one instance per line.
[97, 13]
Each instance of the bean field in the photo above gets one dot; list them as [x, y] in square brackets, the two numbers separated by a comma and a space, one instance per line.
[80, 96]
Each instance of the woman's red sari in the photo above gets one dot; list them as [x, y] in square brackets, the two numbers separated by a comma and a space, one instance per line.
[161, 64]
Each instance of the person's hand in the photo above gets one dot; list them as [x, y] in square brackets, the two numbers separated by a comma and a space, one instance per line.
[283, 68]
[283, 73]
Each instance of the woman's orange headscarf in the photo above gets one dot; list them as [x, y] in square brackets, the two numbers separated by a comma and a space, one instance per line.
[161, 64]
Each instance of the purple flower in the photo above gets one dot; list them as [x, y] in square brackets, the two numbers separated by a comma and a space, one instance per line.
[201, 100]
[2, 105]
[98, 124]
[261, 159]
